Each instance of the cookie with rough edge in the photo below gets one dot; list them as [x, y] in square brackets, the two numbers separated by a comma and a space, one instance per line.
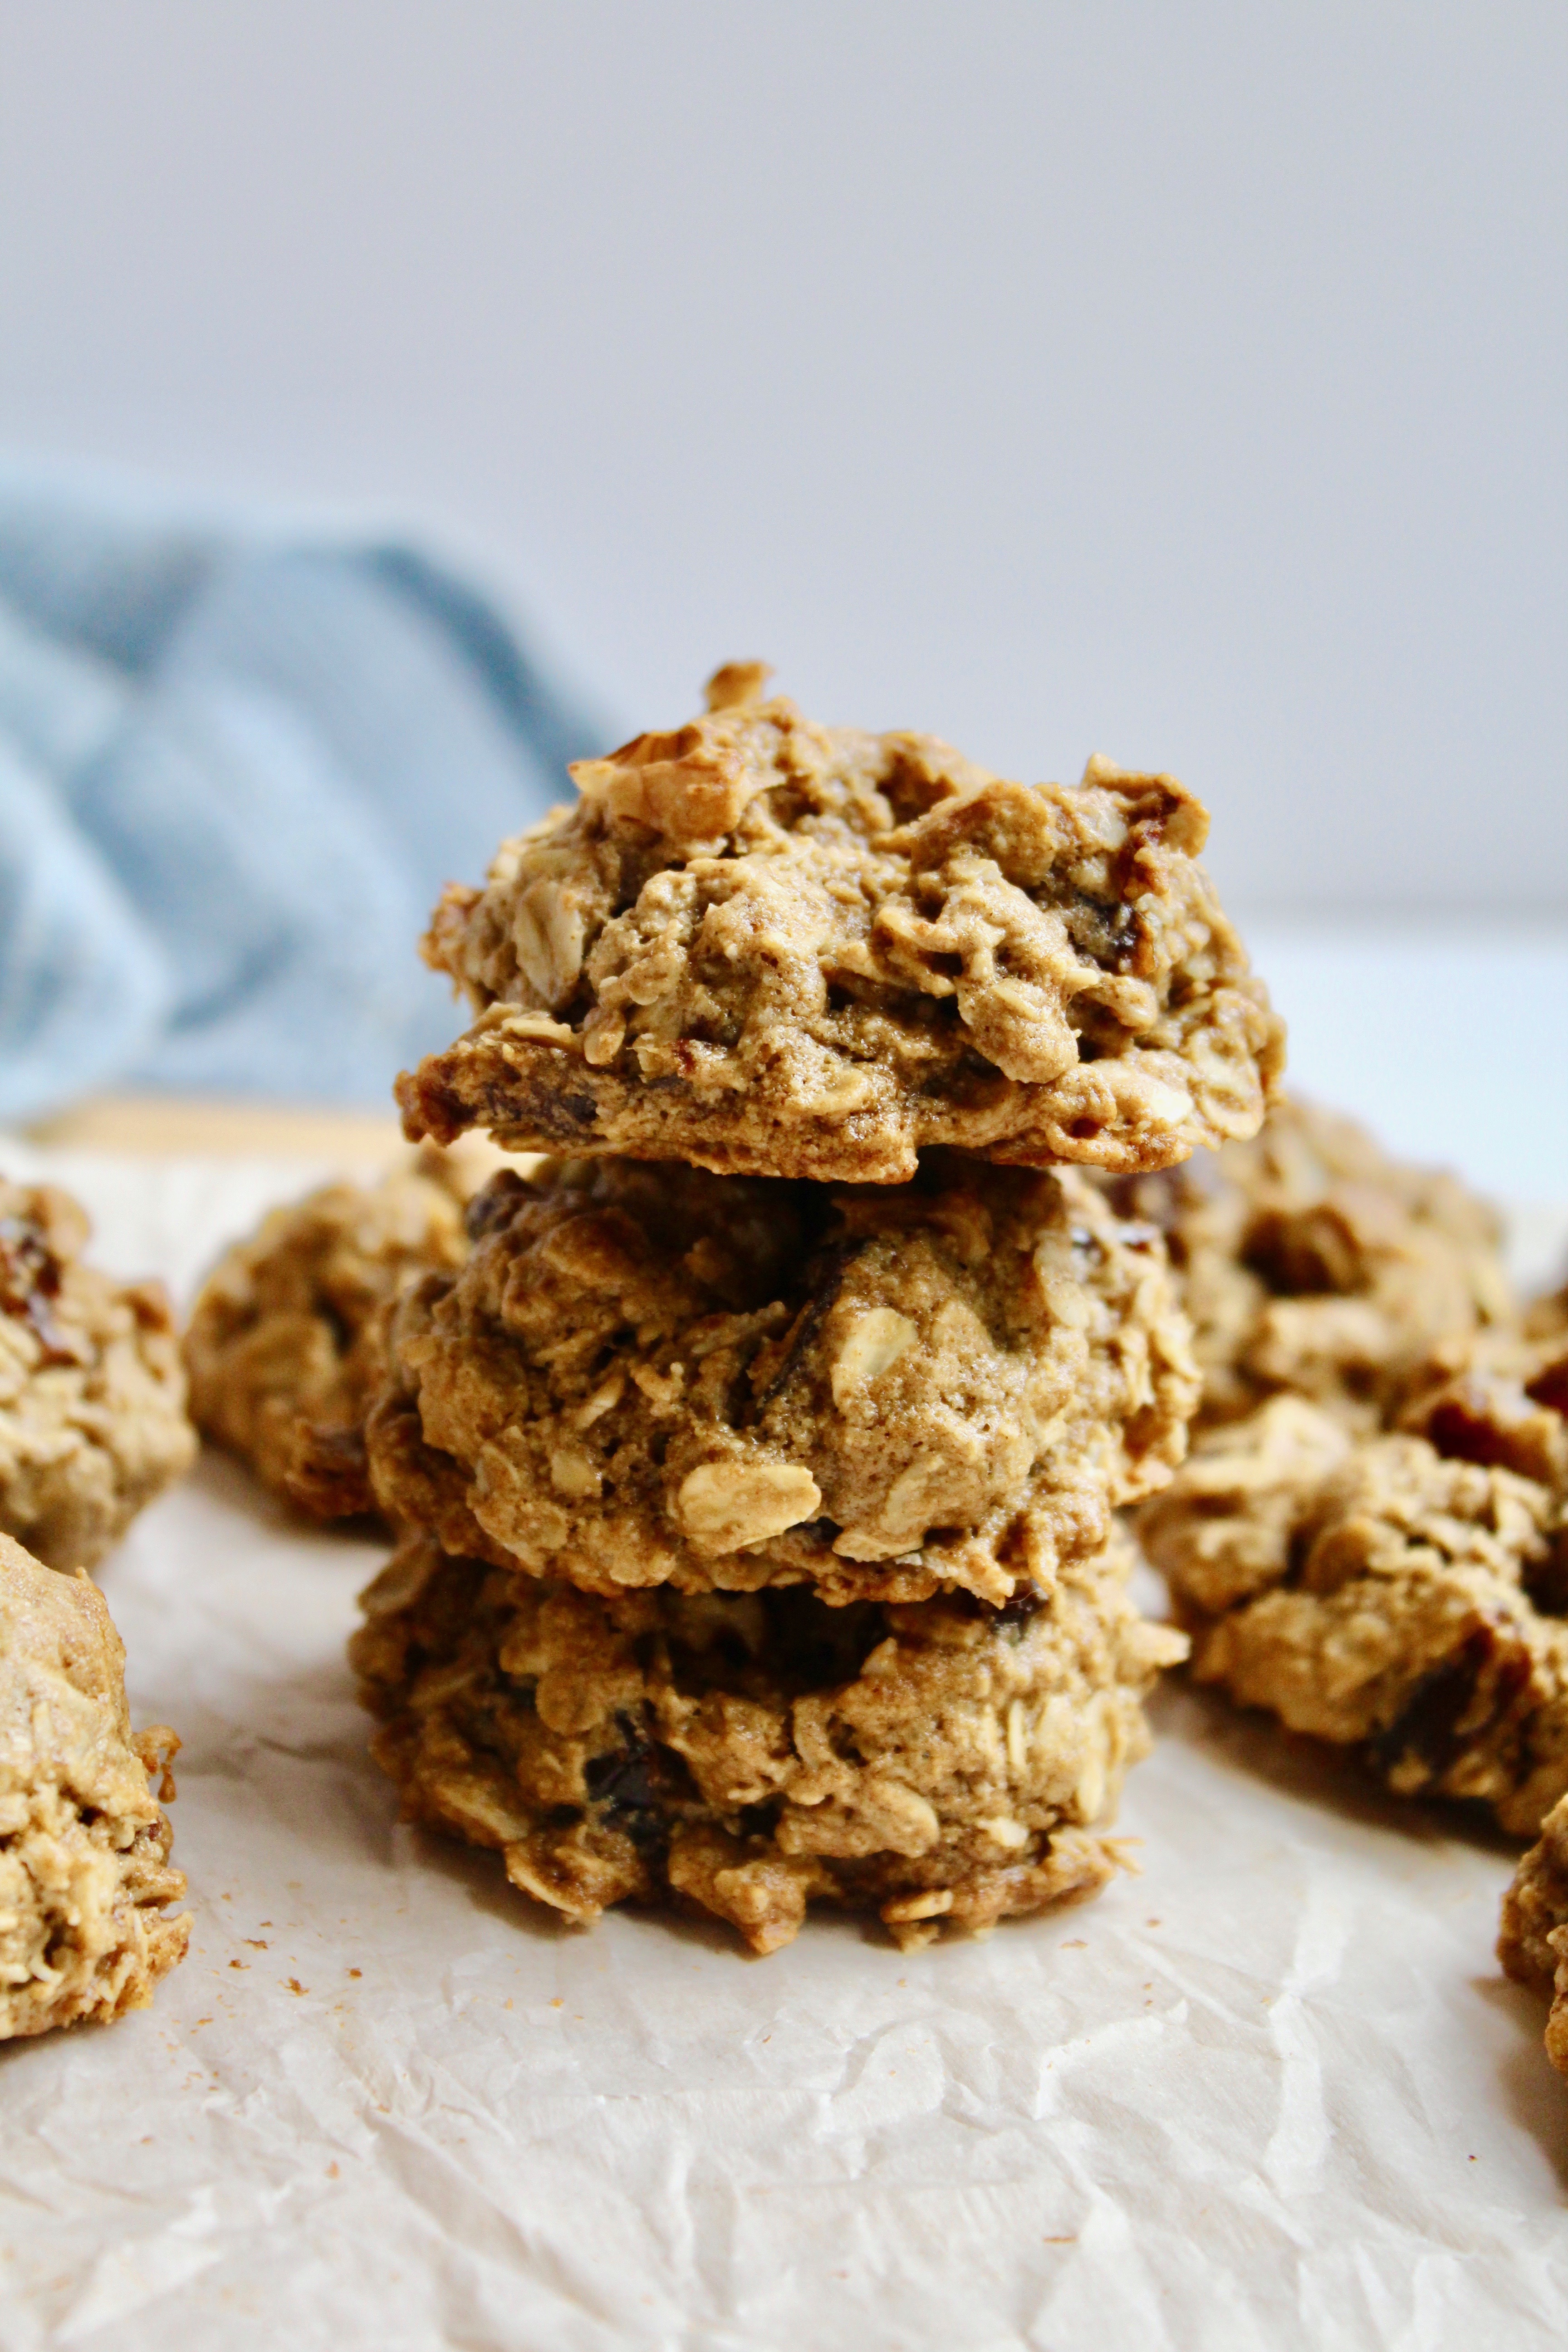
[285, 1348]
[1405, 1594]
[1312, 1262]
[765, 947]
[1533, 1943]
[92, 1398]
[944, 1766]
[647, 1375]
[85, 1877]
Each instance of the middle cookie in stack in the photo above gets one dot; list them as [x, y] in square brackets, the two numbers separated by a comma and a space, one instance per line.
[759, 1536]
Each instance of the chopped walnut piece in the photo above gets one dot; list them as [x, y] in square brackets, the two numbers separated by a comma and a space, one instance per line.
[724, 1506]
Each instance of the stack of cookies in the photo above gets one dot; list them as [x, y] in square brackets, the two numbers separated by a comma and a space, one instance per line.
[755, 1475]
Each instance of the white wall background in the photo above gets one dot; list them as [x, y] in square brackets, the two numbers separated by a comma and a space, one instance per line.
[1186, 381]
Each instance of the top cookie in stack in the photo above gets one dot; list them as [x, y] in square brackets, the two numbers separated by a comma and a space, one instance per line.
[769, 947]
[756, 1473]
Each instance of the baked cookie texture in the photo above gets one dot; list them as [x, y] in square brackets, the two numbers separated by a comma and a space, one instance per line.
[750, 1753]
[1405, 1593]
[285, 1346]
[649, 1375]
[1313, 1264]
[765, 947]
[1546, 1317]
[84, 1843]
[1533, 1944]
[92, 1398]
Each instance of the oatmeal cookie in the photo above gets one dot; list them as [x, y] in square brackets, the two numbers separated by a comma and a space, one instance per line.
[944, 1765]
[1533, 1945]
[769, 947]
[1312, 1262]
[648, 1374]
[92, 1399]
[84, 1845]
[285, 1345]
[1381, 1594]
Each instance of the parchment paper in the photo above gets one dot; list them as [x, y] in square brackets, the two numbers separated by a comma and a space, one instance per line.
[1272, 2092]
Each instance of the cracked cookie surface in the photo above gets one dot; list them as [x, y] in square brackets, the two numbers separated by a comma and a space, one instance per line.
[944, 1765]
[84, 1844]
[92, 1398]
[284, 1349]
[648, 1374]
[1533, 1943]
[1405, 1593]
[1311, 1261]
[762, 946]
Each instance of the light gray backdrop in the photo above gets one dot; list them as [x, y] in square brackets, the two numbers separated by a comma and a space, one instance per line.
[1186, 382]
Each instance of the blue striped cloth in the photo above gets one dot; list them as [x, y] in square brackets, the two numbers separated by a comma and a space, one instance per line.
[234, 772]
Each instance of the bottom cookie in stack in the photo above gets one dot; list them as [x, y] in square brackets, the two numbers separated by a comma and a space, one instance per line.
[943, 1763]
[284, 1347]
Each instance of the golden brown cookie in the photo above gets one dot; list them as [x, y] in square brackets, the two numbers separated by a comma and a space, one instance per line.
[766, 947]
[285, 1346]
[1533, 1944]
[92, 1399]
[84, 1844]
[1312, 1262]
[945, 1765]
[648, 1374]
[1381, 1594]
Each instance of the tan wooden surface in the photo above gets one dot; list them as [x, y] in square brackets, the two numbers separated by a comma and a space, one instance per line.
[199, 1125]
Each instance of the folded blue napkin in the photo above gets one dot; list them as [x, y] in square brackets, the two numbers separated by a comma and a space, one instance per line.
[235, 770]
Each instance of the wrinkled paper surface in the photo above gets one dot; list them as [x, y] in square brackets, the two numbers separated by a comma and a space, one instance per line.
[1274, 2091]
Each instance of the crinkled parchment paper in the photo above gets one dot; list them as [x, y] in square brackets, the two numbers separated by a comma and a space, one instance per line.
[1272, 2092]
